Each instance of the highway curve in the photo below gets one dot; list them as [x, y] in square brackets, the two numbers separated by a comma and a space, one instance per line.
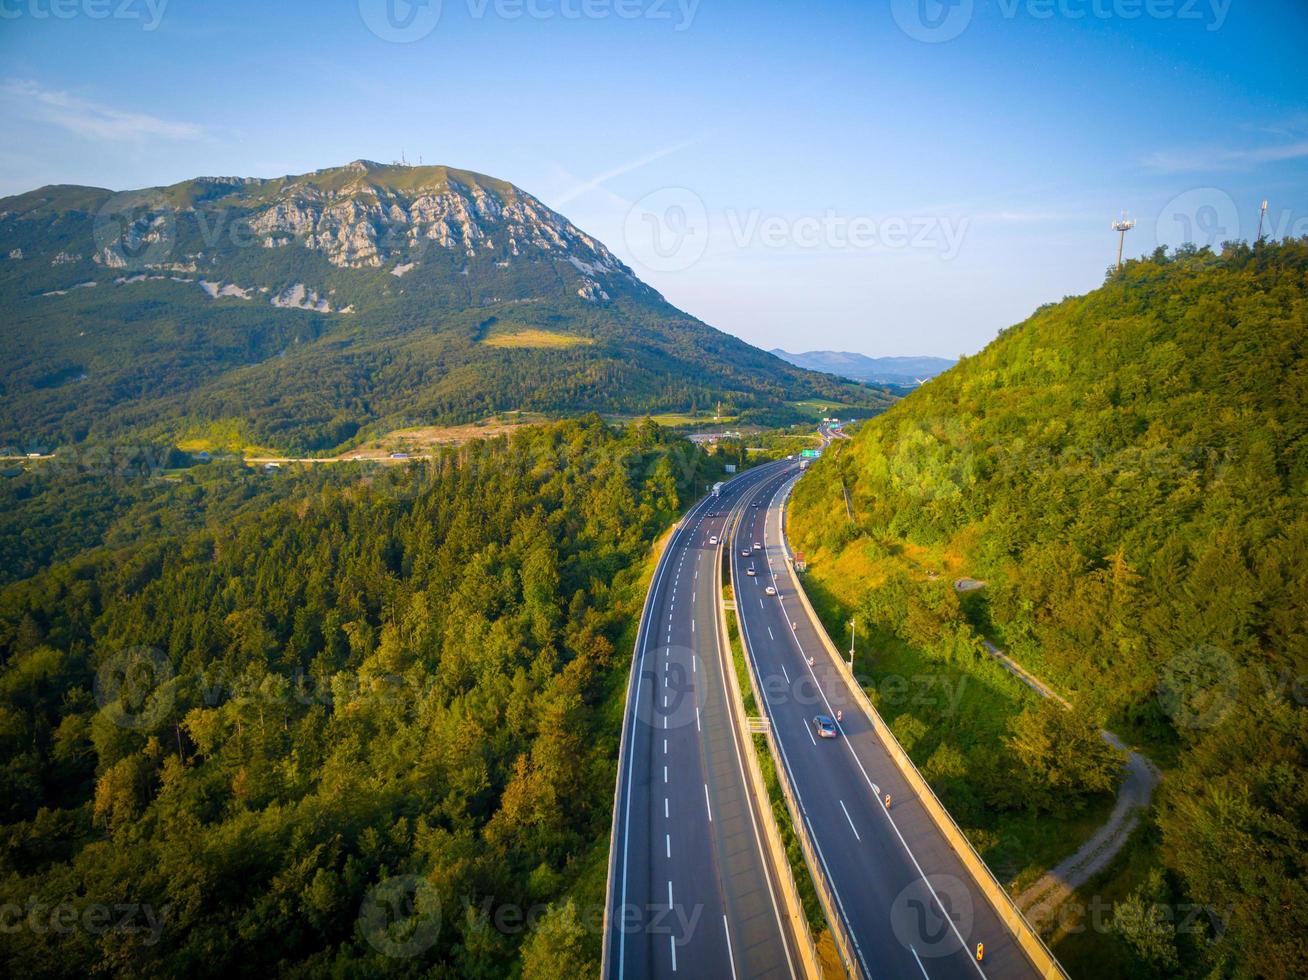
[907, 902]
[692, 892]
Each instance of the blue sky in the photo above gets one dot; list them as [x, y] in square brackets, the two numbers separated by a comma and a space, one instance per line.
[891, 177]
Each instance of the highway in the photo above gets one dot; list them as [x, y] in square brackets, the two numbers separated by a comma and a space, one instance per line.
[909, 905]
[691, 890]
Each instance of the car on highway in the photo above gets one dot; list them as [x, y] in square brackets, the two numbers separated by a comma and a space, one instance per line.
[824, 726]
[750, 571]
[745, 552]
[757, 546]
[771, 590]
[713, 539]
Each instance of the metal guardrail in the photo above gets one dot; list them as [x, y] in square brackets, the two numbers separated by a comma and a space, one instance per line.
[1005, 908]
[844, 942]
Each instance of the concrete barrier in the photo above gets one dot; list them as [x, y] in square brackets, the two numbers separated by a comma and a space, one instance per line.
[826, 895]
[772, 836]
[1009, 914]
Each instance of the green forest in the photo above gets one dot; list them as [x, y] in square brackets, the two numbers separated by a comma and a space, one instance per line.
[331, 721]
[1123, 476]
[144, 352]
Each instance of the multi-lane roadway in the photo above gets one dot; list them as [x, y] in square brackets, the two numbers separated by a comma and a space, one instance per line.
[906, 901]
[693, 891]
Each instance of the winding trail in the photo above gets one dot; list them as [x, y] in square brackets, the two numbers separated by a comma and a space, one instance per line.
[1041, 900]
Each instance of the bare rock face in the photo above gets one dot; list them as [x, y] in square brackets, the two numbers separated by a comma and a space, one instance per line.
[367, 215]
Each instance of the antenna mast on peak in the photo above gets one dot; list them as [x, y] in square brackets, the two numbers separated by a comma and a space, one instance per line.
[1122, 226]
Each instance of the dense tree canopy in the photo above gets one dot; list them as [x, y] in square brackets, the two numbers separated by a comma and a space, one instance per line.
[352, 722]
[1126, 472]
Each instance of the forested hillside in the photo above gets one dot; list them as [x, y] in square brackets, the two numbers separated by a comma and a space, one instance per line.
[1127, 472]
[302, 312]
[330, 722]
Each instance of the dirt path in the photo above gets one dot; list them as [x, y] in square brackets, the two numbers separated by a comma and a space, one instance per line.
[1041, 900]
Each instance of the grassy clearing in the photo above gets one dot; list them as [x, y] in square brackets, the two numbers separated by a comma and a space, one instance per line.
[536, 339]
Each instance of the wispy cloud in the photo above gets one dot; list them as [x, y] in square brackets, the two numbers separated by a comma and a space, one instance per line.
[92, 120]
[1206, 159]
[625, 168]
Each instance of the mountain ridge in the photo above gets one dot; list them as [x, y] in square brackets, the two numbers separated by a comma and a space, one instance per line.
[909, 370]
[305, 310]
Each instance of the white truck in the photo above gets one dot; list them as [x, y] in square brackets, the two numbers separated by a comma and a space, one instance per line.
[717, 489]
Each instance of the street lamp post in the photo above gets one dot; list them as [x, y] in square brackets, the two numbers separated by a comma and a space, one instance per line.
[853, 626]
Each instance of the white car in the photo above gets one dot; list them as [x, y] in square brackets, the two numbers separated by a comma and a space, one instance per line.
[713, 539]
[757, 546]
[770, 590]
[750, 571]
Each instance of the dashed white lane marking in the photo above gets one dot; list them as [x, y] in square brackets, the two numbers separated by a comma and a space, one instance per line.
[697, 728]
[667, 842]
[851, 821]
[665, 774]
[707, 803]
[730, 955]
[665, 746]
[672, 941]
[770, 636]
[810, 736]
[783, 671]
[665, 807]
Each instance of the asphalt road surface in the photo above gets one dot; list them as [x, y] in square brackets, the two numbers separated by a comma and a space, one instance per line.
[907, 901]
[692, 892]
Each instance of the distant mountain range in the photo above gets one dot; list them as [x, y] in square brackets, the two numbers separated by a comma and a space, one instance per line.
[304, 311]
[872, 370]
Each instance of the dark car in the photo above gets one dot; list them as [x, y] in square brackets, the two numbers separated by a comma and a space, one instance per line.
[824, 726]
